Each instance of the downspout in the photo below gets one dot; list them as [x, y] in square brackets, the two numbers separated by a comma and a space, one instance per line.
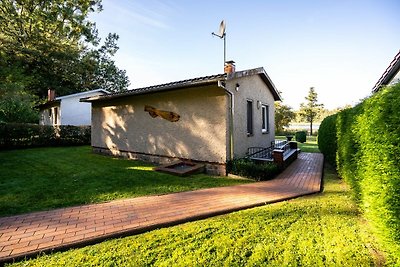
[222, 84]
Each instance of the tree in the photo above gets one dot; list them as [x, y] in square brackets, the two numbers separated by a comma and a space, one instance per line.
[283, 116]
[310, 110]
[16, 104]
[98, 70]
[56, 46]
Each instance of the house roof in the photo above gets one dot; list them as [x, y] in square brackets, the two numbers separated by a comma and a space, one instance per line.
[49, 104]
[389, 74]
[190, 83]
[57, 100]
[81, 94]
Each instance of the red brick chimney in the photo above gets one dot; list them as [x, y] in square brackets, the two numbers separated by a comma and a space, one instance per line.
[229, 67]
[51, 95]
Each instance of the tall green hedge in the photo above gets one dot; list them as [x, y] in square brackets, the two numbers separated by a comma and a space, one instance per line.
[347, 147]
[23, 135]
[377, 133]
[327, 138]
[368, 158]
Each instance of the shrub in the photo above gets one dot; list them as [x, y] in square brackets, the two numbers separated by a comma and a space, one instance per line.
[368, 157]
[301, 136]
[22, 135]
[248, 168]
[327, 138]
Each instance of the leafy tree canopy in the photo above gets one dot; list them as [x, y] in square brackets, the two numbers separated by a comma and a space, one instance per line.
[283, 116]
[54, 45]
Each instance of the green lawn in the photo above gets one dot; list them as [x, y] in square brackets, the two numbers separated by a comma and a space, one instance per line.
[310, 146]
[47, 178]
[319, 230]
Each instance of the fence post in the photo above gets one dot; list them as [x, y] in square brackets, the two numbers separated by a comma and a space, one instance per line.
[293, 145]
[277, 155]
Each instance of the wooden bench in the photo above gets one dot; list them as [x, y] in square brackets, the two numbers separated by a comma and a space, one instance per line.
[285, 155]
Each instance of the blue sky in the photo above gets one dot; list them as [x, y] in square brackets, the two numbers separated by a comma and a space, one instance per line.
[340, 47]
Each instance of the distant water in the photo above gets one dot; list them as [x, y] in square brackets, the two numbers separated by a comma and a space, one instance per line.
[303, 126]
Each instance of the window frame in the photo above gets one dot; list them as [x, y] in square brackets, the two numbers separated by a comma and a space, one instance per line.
[250, 117]
[264, 118]
[55, 119]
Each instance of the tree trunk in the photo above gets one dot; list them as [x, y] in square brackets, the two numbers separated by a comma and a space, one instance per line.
[310, 127]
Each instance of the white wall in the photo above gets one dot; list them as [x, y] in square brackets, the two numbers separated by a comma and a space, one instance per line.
[76, 113]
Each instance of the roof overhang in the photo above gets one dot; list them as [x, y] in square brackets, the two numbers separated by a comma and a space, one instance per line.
[389, 74]
[49, 104]
[263, 75]
[185, 84]
[213, 80]
[267, 80]
[57, 100]
[82, 94]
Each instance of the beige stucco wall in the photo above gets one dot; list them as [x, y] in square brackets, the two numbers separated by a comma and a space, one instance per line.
[200, 134]
[252, 88]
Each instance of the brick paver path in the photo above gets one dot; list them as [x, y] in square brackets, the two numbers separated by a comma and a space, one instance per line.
[28, 234]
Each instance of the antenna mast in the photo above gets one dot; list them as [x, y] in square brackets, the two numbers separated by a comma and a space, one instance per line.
[222, 35]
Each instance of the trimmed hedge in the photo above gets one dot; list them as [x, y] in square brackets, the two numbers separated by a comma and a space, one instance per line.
[377, 138]
[346, 155]
[301, 136]
[248, 168]
[368, 158]
[22, 135]
[327, 138]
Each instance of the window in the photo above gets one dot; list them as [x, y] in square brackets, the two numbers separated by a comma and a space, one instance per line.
[249, 117]
[265, 119]
[55, 116]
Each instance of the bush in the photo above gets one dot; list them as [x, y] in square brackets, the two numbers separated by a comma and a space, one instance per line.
[301, 136]
[22, 135]
[368, 156]
[248, 168]
[327, 139]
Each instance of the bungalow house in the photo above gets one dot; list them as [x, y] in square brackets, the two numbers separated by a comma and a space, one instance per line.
[67, 110]
[206, 120]
[390, 76]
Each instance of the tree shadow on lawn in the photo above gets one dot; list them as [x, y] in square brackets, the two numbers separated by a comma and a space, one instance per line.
[48, 178]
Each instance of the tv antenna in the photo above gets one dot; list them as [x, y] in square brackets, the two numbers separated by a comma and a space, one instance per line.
[222, 35]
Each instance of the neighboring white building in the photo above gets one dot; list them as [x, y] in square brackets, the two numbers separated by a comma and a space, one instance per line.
[68, 110]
